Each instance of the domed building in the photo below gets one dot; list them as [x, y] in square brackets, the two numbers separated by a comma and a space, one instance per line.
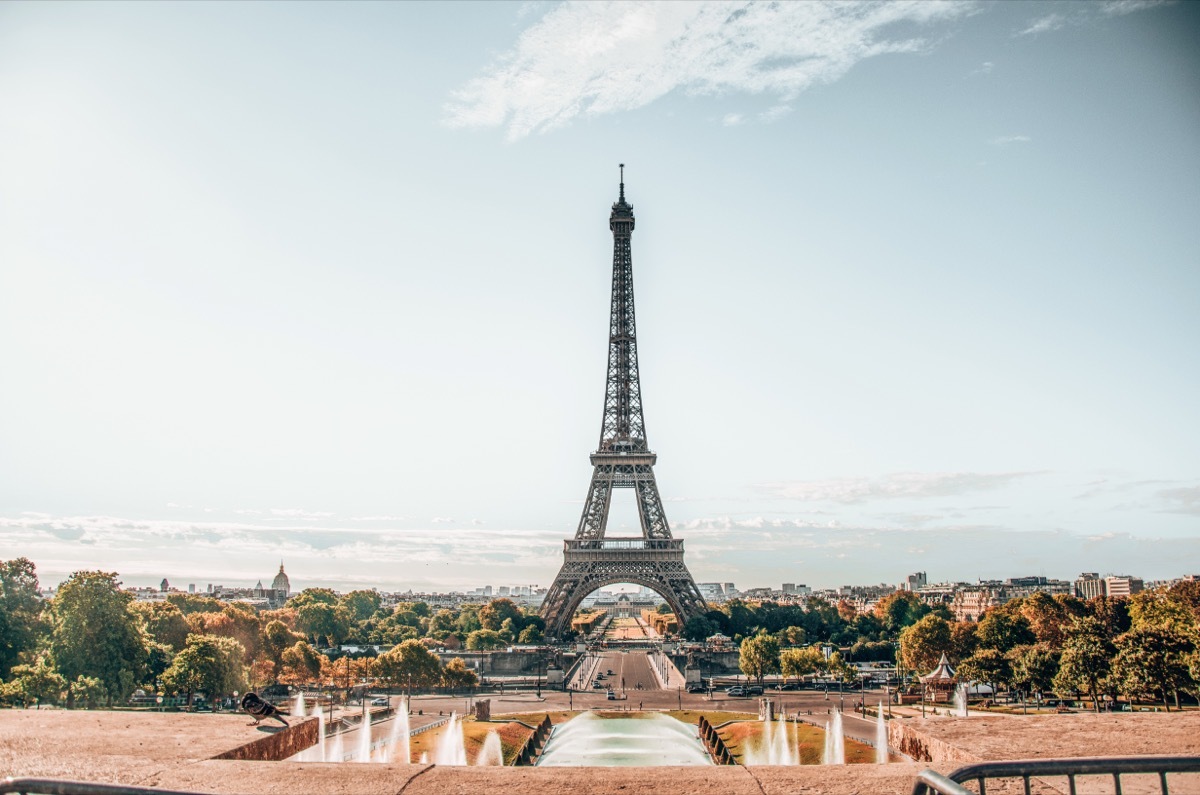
[280, 583]
[281, 588]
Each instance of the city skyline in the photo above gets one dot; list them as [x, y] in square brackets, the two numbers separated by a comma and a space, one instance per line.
[916, 286]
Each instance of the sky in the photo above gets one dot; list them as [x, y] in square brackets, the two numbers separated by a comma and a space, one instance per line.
[328, 283]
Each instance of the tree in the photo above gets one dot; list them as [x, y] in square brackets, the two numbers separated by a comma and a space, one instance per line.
[792, 636]
[1157, 608]
[1154, 660]
[485, 640]
[664, 609]
[361, 605]
[1001, 630]
[37, 682]
[493, 615]
[319, 619]
[89, 690]
[899, 610]
[800, 662]
[759, 656]
[986, 665]
[698, 628]
[300, 664]
[276, 639]
[924, 643]
[206, 664]
[410, 665]
[456, 675]
[95, 634]
[1085, 663]
[1034, 667]
[163, 622]
[20, 612]
[963, 640]
[529, 636]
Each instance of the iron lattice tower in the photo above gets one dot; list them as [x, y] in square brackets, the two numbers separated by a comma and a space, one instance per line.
[623, 460]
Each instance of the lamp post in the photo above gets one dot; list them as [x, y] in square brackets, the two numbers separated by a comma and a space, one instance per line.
[159, 699]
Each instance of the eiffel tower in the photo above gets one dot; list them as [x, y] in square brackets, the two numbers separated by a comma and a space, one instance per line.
[623, 460]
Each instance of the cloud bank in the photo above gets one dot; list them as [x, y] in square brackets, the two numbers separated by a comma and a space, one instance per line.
[598, 58]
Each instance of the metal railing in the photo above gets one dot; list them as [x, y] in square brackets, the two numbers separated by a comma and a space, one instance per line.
[930, 782]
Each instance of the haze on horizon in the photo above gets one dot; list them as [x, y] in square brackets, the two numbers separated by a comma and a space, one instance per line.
[917, 286]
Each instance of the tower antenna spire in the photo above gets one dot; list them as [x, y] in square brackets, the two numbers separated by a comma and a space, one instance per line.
[622, 166]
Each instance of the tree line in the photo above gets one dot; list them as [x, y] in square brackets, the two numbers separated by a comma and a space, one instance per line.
[93, 644]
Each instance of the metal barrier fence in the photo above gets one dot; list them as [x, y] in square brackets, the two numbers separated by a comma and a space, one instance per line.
[933, 783]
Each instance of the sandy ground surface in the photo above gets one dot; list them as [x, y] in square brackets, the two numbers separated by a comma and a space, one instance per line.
[174, 751]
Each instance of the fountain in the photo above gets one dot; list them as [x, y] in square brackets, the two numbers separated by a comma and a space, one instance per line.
[450, 749]
[881, 738]
[399, 744]
[491, 753]
[298, 706]
[835, 741]
[336, 752]
[363, 754]
[960, 701]
[775, 747]
[652, 739]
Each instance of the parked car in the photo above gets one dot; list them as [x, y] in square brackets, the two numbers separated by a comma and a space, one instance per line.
[696, 688]
[754, 690]
[597, 685]
[787, 686]
[736, 690]
[610, 673]
[382, 701]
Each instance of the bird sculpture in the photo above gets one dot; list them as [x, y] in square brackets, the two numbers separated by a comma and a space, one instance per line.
[258, 709]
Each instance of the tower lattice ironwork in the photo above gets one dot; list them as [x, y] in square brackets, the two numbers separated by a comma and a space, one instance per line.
[623, 460]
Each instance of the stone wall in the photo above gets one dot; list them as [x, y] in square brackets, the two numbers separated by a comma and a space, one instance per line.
[277, 745]
[907, 738]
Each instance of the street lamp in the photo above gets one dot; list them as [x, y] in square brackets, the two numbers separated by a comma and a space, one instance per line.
[160, 701]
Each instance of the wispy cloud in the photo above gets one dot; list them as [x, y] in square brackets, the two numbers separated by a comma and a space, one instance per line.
[1044, 24]
[1122, 7]
[774, 113]
[298, 513]
[591, 59]
[895, 486]
[1182, 500]
[1007, 140]
[733, 120]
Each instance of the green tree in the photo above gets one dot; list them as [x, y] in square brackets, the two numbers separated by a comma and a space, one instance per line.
[189, 603]
[361, 605]
[799, 662]
[20, 612]
[441, 624]
[1001, 630]
[923, 644]
[493, 615]
[207, 664]
[318, 619]
[89, 690]
[664, 609]
[698, 628]
[986, 665]
[899, 610]
[792, 636]
[468, 620]
[457, 676]
[163, 622]
[36, 682]
[1154, 660]
[530, 635]
[759, 656]
[1086, 660]
[95, 634]
[276, 639]
[485, 640]
[409, 665]
[1034, 667]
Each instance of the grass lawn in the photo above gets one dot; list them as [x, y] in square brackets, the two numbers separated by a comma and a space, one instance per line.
[740, 737]
[512, 736]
